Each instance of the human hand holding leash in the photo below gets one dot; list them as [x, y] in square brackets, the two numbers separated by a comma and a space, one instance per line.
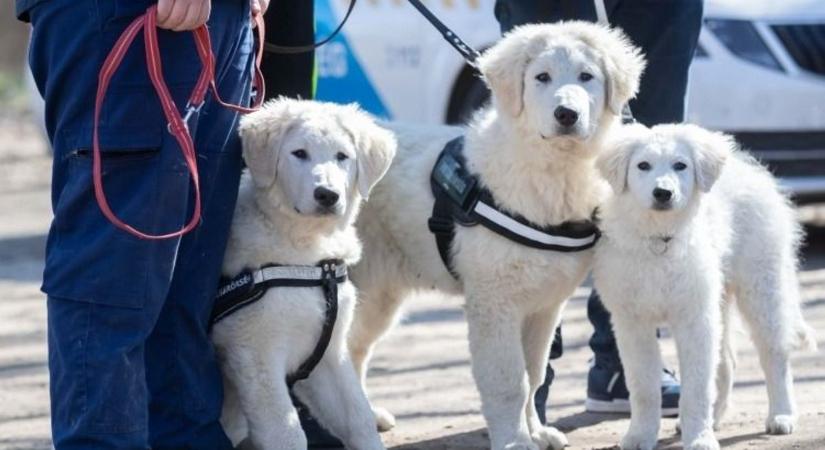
[183, 15]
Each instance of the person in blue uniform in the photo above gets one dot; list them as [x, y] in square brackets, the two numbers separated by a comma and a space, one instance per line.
[130, 362]
[667, 32]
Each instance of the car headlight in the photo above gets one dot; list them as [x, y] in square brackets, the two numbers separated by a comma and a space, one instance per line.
[742, 39]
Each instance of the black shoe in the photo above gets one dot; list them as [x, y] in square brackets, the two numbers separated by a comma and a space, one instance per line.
[317, 436]
[607, 392]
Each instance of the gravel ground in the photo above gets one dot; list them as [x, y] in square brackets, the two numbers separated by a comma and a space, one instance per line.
[420, 372]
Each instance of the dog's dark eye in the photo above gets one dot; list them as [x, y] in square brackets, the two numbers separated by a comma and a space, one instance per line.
[644, 165]
[584, 76]
[543, 77]
[300, 154]
[679, 166]
[341, 156]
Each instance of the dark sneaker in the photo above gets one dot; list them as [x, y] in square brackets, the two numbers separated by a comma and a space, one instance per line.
[318, 438]
[607, 392]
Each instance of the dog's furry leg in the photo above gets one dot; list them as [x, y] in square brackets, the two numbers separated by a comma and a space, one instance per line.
[642, 362]
[697, 343]
[538, 334]
[375, 313]
[336, 399]
[768, 305]
[727, 364]
[272, 420]
[498, 370]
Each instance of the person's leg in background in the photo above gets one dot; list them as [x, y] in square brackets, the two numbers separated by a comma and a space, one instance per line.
[291, 75]
[182, 373]
[667, 32]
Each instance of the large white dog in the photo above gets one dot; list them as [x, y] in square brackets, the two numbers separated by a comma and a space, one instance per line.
[310, 164]
[557, 89]
[695, 227]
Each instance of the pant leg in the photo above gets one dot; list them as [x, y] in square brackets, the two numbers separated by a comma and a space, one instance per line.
[512, 13]
[182, 372]
[291, 75]
[602, 341]
[667, 33]
[106, 288]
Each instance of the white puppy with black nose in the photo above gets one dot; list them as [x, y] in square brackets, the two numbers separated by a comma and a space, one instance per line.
[557, 92]
[310, 165]
[693, 228]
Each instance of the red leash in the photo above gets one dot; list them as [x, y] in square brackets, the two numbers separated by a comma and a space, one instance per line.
[177, 125]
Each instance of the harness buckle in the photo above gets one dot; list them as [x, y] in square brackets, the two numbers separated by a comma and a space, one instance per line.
[440, 225]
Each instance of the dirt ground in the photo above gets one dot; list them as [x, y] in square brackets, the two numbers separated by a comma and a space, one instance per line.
[421, 372]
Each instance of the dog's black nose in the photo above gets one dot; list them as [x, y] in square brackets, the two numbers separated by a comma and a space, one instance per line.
[662, 195]
[566, 116]
[326, 197]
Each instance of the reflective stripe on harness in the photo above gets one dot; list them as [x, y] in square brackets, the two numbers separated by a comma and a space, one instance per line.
[249, 286]
[177, 125]
[460, 199]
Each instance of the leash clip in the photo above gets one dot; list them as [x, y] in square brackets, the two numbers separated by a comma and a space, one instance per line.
[190, 111]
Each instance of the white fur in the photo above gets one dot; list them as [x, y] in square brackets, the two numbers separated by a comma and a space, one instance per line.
[733, 240]
[514, 294]
[276, 222]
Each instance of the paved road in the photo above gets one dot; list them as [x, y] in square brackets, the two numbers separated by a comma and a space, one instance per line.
[421, 372]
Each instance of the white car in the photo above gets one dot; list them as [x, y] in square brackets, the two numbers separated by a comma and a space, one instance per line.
[759, 72]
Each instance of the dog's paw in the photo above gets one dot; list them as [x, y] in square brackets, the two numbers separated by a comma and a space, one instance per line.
[383, 419]
[706, 441]
[521, 446]
[780, 424]
[549, 438]
[638, 441]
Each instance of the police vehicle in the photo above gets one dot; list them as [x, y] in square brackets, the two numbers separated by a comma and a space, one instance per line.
[759, 72]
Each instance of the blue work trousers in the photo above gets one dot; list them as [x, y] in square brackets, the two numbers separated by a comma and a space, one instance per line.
[130, 361]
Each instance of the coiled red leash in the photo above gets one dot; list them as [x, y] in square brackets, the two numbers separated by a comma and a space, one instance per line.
[177, 125]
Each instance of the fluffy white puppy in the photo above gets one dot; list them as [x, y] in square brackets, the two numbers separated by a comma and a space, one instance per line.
[557, 89]
[310, 164]
[695, 227]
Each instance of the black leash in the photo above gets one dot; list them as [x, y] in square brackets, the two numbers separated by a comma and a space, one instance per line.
[292, 50]
[467, 52]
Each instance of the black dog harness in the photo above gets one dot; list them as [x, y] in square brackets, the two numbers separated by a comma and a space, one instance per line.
[249, 286]
[461, 199]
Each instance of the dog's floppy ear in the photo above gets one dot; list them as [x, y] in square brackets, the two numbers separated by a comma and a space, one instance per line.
[503, 66]
[710, 151]
[622, 63]
[261, 133]
[375, 147]
[615, 161]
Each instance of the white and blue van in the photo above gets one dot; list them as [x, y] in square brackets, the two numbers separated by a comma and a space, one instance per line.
[759, 72]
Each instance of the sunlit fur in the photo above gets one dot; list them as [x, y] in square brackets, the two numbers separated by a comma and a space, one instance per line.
[728, 238]
[514, 294]
[276, 222]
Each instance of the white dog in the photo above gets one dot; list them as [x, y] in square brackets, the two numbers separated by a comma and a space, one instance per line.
[310, 164]
[557, 89]
[693, 228]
